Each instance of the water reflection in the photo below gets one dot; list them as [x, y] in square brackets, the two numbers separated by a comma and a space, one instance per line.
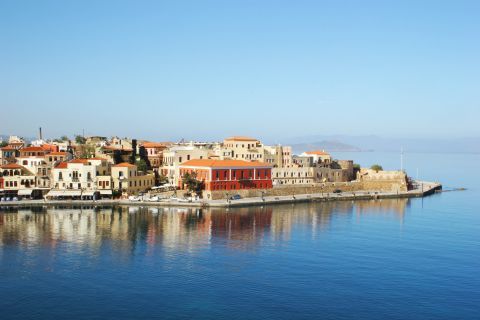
[173, 229]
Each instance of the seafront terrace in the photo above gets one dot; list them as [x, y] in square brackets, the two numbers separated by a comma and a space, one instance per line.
[423, 188]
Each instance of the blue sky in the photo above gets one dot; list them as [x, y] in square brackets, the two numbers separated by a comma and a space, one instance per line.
[164, 70]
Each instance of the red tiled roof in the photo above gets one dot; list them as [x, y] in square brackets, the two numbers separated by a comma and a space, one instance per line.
[11, 166]
[156, 144]
[125, 165]
[32, 149]
[84, 161]
[8, 148]
[211, 163]
[61, 165]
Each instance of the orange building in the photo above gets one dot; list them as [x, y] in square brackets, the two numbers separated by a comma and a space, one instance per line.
[228, 174]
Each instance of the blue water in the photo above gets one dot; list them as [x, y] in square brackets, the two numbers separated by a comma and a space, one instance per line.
[389, 259]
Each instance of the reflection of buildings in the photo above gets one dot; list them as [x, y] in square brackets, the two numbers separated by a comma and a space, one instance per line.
[131, 230]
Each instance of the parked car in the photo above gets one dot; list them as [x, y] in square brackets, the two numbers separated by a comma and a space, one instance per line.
[337, 191]
[235, 197]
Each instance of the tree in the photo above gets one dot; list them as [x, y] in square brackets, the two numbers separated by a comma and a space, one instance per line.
[356, 166]
[376, 167]
[142, 153]
[141, 165]
[64, 138]
[133, 157]
[117, 156]
[80, 140]
[3, 144]
[193, 184]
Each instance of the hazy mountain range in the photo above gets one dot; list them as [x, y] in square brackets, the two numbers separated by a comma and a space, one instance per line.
[376, 143]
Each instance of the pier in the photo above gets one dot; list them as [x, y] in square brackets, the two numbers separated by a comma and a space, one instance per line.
[422, 189]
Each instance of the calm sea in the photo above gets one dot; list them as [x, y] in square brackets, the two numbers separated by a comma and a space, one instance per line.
[389, 259]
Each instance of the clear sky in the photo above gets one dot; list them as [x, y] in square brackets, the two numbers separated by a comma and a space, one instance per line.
[164, 70]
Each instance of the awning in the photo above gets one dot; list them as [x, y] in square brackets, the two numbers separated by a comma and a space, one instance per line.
[64, 193]
[72, 193]
[88, 193]
[25, 192]
[105, 192]
[55, 193]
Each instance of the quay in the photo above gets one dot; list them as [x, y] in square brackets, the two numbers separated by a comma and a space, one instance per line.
[422, 189]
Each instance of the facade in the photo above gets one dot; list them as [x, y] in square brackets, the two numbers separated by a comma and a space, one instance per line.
[318, 156]
[154, 152]
[278, 156]
[228, 174]
[33, 152]
[39, 167]
[127, 179]
[176, 155]
[17, 181]
[81, 179]
[242, 148]
[8, 155]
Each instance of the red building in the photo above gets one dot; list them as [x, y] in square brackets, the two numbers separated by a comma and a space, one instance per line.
[228, 174]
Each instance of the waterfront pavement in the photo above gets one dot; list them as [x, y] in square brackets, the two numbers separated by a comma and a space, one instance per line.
[422, 188]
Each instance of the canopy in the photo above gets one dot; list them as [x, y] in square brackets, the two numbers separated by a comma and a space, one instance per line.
[25, 192]
[106, 192]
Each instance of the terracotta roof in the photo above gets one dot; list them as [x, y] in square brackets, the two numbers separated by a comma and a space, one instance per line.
[156, 144]
[62, 165]
[7, 148]
[211, 163]
[240, 138]
[32, 149]
[318, 153]
[11, 166]
[125, 165]
[84, 161]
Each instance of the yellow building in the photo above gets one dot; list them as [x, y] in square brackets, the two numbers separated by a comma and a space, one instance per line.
[127, 179]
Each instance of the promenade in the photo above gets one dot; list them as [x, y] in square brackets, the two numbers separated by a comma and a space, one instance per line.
[423, 188]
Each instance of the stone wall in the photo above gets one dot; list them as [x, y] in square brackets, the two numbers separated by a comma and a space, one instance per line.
[387, 185]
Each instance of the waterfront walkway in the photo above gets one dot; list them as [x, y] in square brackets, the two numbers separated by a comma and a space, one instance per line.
[422, 189]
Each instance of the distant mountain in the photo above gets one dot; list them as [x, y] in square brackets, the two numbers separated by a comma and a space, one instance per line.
[376, 143]
[327, 145]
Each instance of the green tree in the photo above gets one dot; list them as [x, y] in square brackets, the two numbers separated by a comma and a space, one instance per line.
[141, 165]
[193, 184]
[142, 153]
[80, 140]
[133, 157]
[117, 156]
[64, 138]
[3, 144]
[356, 166]
[376, 167]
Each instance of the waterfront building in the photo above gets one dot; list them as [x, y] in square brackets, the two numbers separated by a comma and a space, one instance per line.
[242, 148]
[154, 151]
[81, 179]
[278, 156]
[174, 156]
[127, 179]
[17, 181]
[228, 174]
[318, 156]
